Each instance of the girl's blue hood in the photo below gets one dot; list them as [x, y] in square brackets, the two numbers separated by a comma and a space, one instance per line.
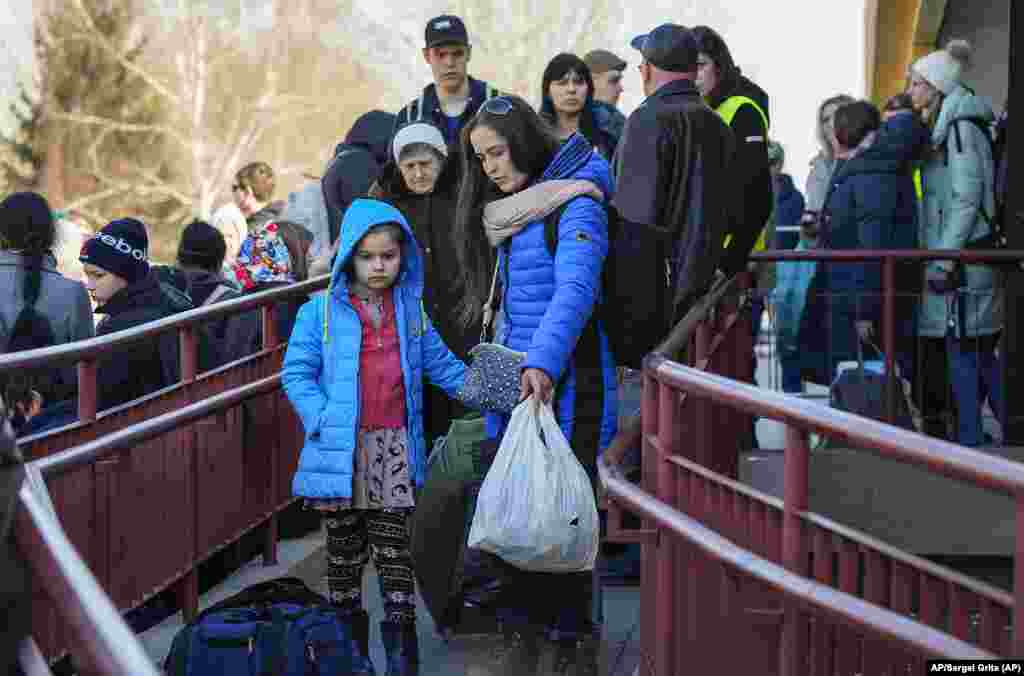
[360, 216]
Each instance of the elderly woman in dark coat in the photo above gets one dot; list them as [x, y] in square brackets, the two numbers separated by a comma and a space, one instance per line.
[421, 182]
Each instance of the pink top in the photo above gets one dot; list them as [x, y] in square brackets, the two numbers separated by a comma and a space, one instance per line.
[381, 390]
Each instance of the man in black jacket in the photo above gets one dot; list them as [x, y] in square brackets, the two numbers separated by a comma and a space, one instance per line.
[129, 293]
[356, 165]
[672, 168]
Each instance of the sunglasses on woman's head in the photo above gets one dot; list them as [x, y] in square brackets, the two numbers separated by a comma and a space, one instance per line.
[236, 187]
[499, 105]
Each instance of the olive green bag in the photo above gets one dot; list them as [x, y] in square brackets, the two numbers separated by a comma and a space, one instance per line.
[459, 456]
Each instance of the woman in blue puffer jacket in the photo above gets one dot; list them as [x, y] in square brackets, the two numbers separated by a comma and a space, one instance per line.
[516, 173]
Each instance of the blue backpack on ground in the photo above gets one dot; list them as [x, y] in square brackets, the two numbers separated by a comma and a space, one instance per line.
[275, 628]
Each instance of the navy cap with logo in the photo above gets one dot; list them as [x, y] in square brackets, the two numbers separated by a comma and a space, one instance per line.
[446, 30]
[669, 47]
[121, 247]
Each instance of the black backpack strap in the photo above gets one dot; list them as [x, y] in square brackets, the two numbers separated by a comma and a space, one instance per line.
[982, 125]
[986, 130]
[552, 220]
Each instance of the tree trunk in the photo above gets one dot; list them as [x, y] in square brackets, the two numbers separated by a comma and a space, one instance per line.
[52, 179]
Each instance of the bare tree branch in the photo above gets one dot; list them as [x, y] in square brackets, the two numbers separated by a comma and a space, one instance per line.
[92, 198]
[128, 65]
[114, 125]
[217, 94]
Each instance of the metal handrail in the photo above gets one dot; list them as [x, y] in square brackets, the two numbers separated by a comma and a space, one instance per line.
[90, 348]
[108, 645]
[947, 575]
[943, 457]
[629, 431]
[97, 449]
[31, 659]
[842, 606]
[868, 255]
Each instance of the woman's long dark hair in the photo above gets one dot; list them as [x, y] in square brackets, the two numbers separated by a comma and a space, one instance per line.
[556, 69]
[27, 226]
[712, 44]
[532, 145]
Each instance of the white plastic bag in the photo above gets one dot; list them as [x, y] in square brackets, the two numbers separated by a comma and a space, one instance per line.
[536, 508]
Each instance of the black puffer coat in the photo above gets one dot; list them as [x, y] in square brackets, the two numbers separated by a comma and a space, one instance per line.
[137, 369]
[431, 218]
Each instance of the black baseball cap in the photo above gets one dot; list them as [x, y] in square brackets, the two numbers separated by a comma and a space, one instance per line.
[446, 30]
[669, 47]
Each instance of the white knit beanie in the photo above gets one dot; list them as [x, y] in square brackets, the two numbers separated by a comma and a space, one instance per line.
[418, 132]
[944, 68]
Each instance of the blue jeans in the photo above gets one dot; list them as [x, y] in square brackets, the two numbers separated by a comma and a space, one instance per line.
[975, 375]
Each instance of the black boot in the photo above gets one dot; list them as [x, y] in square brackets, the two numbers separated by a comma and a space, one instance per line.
[521, 650]
[577, 657]
[361, 663]
[401, 646]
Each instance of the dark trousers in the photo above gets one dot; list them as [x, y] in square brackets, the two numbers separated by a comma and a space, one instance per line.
[544, 600]
[956, 377]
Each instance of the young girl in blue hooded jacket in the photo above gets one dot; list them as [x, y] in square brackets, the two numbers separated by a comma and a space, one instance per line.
[354, 372]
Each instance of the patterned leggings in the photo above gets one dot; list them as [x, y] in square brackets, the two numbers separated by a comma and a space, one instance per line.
[355, 535]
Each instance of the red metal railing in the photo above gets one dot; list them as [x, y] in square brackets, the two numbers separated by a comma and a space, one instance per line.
[932, 610]
[105, 644]
[148, 491]
[735, 581]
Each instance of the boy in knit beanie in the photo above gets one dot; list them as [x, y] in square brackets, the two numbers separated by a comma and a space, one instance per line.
[118, 275]
[115, 257]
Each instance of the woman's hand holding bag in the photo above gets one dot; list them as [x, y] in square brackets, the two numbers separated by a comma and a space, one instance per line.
[536, 508]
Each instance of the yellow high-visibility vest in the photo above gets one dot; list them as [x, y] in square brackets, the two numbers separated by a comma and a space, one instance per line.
[918, 184]
[727, 111]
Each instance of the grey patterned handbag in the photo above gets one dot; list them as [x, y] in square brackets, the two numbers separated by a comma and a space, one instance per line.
[492, 378]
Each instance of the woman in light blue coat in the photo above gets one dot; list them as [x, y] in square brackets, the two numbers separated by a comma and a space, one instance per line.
[354, 374]
[962, 310]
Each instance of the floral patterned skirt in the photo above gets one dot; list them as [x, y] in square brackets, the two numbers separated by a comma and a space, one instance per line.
[381, 474]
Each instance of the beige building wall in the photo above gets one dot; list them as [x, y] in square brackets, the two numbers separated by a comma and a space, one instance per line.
[987, 26]
[900, 31]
